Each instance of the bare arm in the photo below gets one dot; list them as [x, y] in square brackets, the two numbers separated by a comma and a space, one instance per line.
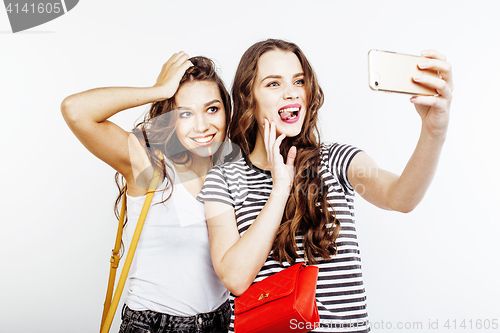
[86, 114]
[237, 260]
[403, 193]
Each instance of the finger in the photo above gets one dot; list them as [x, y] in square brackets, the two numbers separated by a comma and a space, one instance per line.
[174, 73]
[184, 67]
[439, 85]
[271, 138]
[277, 144]
[181, 60]
[266, 135]
[178, 55]
[180, 66]
[433, 54]
[436, 65]
[292, 153]
[168, 65]
[272, 134]
[442, 67]
[432, 101]
[172, 60]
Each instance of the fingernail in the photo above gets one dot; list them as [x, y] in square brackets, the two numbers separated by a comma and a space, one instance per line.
[417, 77]
[424, 52]
[423, 64]
[413, 99]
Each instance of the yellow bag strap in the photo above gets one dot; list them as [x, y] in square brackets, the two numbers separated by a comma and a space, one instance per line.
[110, 305]
[115, 259]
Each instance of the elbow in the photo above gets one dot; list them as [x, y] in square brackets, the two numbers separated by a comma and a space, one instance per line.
[68, 110]
[237, 289]
[236, 285]
[402, 206]
[406, 209]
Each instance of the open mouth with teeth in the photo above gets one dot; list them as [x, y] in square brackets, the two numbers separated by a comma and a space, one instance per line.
[204, 140]
[290, 113]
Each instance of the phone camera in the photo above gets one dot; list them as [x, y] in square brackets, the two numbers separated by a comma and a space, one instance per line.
[376, 83]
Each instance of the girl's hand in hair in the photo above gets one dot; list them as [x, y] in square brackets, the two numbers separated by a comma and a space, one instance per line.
[282, 173]
[171, 74]
[435, 110]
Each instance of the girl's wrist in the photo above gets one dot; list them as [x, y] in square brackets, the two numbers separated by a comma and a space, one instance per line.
[435, 136]
[280, 193]
[157, 93]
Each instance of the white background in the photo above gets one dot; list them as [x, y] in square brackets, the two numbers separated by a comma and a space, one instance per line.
[437, 263]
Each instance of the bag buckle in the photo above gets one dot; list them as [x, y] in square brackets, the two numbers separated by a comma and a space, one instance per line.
[115, 260]
[262, 296]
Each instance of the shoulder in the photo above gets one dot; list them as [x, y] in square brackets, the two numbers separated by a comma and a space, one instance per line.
[223, 172]
[337, 158]
[230, 167]
[337, 148]
[334, 151]
[218, 182]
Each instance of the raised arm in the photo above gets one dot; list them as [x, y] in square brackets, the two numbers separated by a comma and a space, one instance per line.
[237, 260]
[86, 114]
[403, 193]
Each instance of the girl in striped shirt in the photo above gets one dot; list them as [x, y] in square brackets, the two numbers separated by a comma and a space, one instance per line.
[290, 196]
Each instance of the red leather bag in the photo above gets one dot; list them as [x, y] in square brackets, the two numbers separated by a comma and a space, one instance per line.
[282, 302]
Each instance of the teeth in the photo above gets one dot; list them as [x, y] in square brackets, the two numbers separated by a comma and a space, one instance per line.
[205, 139]
[288, 110]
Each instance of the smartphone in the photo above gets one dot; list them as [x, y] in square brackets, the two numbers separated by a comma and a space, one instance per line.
[391, 71]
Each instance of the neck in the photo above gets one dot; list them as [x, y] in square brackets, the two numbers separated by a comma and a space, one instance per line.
[258, 156]
[199, 165]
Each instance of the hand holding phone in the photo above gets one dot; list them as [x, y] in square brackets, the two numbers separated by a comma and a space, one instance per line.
[393, 72]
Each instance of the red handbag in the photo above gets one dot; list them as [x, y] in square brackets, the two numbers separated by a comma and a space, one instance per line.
[282, 302]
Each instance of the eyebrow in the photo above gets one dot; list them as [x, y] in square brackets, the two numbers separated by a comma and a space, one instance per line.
[212, 102]
[181, 108]
[279, 76]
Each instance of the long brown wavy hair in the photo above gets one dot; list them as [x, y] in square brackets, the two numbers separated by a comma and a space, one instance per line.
[307, 210]
[156, 132]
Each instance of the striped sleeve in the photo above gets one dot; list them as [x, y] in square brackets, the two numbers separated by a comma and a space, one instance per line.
[216, 188]
[339, 159]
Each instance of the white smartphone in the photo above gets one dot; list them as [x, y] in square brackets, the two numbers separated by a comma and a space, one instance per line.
[390, 71]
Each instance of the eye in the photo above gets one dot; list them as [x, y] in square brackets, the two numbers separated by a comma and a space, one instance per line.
[272, 84]
[185, 114]
[212, 109]
[300, 82]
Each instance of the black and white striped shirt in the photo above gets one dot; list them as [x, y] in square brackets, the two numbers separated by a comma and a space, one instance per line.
[340, 294]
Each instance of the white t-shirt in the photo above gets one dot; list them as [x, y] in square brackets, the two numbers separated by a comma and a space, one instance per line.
[172, 270]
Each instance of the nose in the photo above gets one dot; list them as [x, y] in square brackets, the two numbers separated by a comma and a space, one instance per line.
[201, 124]
[290, 92]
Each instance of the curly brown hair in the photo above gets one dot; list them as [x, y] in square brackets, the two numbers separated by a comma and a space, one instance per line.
[307, 210]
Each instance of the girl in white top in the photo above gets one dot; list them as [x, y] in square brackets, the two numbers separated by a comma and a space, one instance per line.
[173, 286]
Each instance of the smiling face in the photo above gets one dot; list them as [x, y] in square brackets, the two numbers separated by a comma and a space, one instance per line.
[280, 93]
[201, 117]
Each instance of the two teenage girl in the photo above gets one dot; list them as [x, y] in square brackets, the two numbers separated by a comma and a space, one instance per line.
[288, 199]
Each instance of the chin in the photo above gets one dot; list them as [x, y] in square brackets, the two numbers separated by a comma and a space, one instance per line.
[206, 151]
[290, 131]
